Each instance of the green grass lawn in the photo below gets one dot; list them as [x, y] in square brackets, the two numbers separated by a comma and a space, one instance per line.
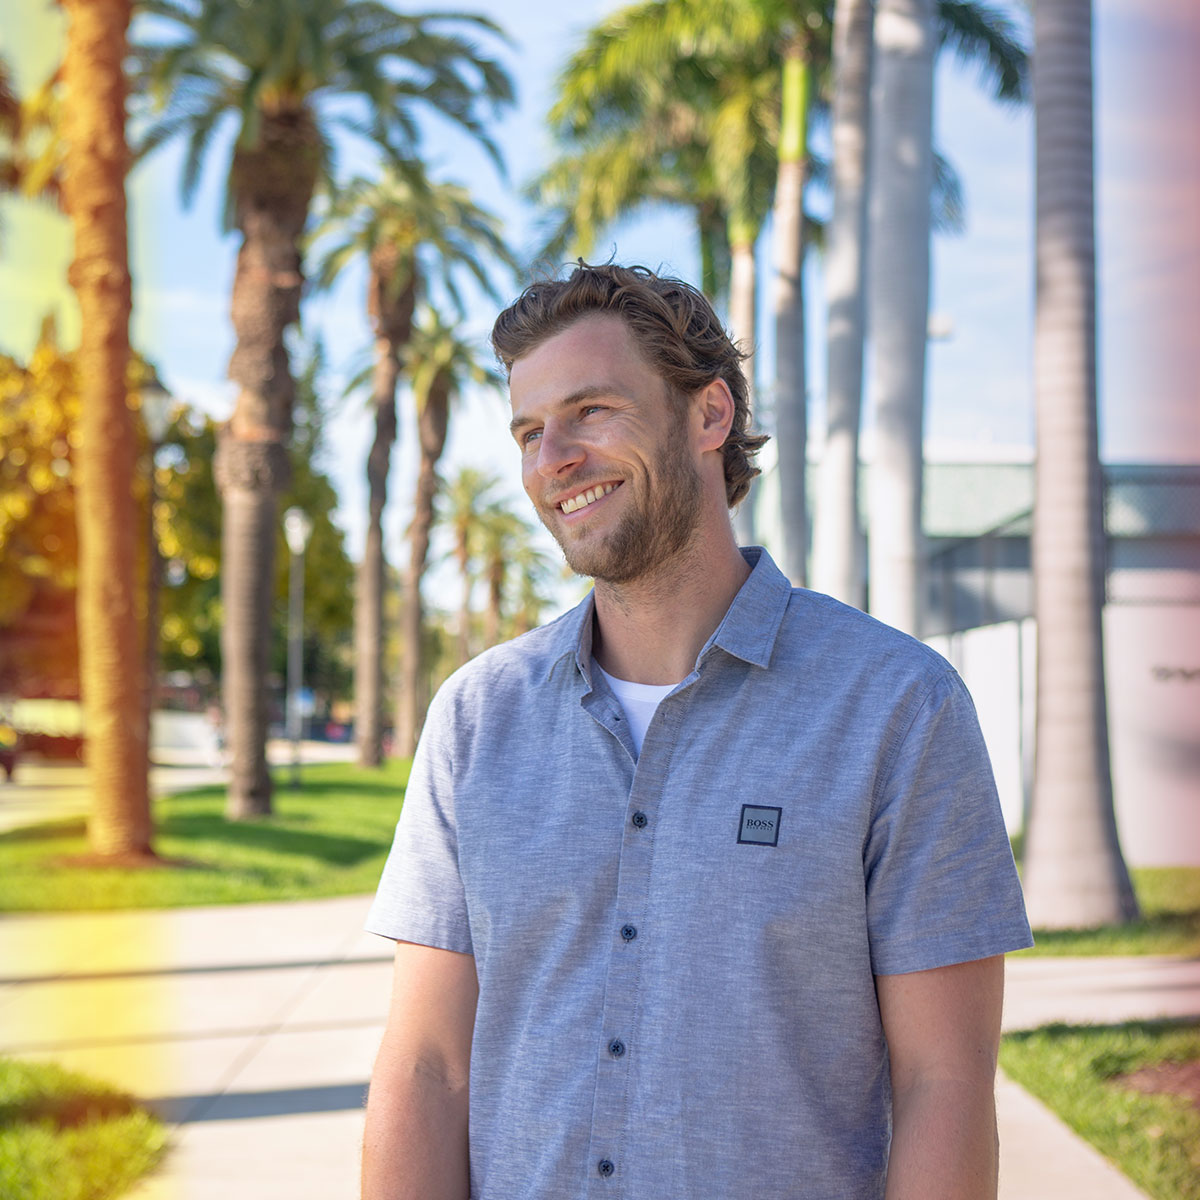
[1075, 1070]
[1170, 921]
[66, 1137]
[330, 838]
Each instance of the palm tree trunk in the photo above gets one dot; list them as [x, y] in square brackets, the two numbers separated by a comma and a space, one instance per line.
[368, 606]
[837, 536]
[464, 607]
[273, 182]
[110, 634]
[432, 422]
[743, 322]
[791, 386]
[493, 617]
[902, 170]
[1075, 875]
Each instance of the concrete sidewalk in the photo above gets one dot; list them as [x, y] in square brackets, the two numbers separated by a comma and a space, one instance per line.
[252, 1028]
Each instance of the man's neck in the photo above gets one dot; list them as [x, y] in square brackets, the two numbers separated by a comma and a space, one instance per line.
[652, 629]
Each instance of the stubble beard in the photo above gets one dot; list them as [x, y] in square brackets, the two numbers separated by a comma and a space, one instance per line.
[649, 534]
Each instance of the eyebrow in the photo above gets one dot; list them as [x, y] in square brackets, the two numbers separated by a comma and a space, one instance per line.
[589, 392]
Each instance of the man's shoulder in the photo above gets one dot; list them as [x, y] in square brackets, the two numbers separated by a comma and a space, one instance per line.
[818, 626]
[499, 673]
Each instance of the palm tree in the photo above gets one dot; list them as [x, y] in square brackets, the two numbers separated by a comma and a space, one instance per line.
[796, 31]
[1074, 875]
[110, 632]
[409, 230]
[501, 532]
[534, 570]
[681, 96]
[837, 557]
[440, 364]
[907, 33]
[284, 70]
[466, 496]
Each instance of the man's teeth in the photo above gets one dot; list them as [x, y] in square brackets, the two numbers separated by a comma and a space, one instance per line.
[574, 503]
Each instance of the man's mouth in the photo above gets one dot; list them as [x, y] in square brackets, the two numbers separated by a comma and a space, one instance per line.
[583, 499]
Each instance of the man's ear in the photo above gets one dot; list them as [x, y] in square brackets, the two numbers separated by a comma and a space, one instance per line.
[713, 413]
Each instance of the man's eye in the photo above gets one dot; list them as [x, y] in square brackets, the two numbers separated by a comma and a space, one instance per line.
[528, 438]
[588, 409]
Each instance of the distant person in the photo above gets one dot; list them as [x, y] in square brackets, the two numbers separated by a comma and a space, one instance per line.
[701, 891]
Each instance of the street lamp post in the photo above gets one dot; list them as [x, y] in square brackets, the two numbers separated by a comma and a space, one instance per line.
[297, 526]
[156, 405]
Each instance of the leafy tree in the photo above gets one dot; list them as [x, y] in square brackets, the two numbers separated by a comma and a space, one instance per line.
[412, 233]
[290, 74]
[39, 411]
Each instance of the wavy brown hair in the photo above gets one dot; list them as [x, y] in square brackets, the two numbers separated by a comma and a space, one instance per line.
[675, 328]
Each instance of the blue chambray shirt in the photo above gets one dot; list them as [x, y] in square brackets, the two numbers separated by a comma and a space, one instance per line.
[676, 953]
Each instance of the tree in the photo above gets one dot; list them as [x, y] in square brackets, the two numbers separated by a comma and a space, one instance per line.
[189, 533]
[693, 88]
[110, 624]
[39, 413]
[902, 168]
[837, 550]
[796, 28]
[440, 366]
[285, 72]
[466, 496]
[1075, 875]
[411, 232]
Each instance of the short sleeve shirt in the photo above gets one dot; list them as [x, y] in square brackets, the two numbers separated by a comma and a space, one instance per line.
[676, 949]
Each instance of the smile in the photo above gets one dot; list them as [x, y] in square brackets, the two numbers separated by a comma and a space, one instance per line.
[583, 499]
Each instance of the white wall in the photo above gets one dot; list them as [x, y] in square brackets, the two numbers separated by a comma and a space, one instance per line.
[1152, 666]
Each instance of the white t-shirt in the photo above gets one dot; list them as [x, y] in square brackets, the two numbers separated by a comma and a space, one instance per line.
[638, 700]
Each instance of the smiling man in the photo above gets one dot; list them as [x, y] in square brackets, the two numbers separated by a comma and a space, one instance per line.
[700, 892]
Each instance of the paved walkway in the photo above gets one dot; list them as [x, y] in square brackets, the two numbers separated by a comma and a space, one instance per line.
[253, 1027]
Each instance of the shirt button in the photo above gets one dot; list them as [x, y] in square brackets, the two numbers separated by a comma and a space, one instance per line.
[616, 1047]
[629, 932]
[605, 1167]
[640, 819]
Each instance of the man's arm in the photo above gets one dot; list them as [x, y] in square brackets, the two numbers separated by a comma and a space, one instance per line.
[415, 1146]
[943, 1033]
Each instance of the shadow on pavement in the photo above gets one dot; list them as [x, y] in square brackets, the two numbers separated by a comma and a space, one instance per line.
[240, 1106]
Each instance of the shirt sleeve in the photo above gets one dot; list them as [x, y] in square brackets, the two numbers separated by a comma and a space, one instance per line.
[941, 886]
[421, 896]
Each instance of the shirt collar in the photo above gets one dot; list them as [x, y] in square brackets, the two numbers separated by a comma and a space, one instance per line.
[747, 631]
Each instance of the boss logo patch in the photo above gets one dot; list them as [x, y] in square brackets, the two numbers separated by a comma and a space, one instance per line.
[759, 825]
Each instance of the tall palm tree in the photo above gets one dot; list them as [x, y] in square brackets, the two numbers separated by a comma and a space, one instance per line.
[284, 71]
[410, 231]
[501, 533]
[837, 541]
[1075, 875]
[110, 633]
[796, 30]
[907, 34]
[691, 89]
[465, 497]
[440, 364]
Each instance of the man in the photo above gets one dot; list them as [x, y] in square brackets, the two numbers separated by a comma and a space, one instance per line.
[701, 891]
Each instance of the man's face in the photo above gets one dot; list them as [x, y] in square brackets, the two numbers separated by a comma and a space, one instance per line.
[606, 456]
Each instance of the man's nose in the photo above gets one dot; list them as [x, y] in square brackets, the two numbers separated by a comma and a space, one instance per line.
[558, 452]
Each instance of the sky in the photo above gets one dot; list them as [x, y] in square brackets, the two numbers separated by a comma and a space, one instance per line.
[980, 392]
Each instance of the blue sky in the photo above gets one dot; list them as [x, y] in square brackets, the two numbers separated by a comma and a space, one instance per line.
[980, 379]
